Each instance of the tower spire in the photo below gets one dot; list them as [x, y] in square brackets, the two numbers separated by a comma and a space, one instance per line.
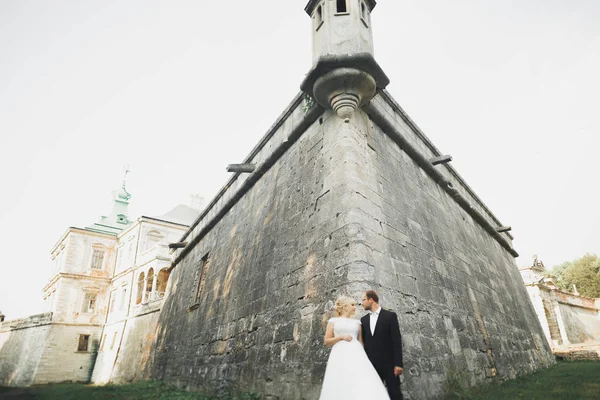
[117, 220]
[123, 195]
[126, 170]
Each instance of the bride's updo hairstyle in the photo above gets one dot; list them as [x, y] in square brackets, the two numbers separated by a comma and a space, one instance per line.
[341, 303]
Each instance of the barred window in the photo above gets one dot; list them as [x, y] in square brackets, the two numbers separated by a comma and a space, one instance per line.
[98, 259]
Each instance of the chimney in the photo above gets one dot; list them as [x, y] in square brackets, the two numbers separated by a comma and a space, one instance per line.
[196, 201]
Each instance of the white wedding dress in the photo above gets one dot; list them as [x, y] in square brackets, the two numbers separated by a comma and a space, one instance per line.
[349, 374]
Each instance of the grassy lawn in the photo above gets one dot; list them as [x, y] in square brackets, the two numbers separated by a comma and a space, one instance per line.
[567, 380]
[572, 380]
[137, 391]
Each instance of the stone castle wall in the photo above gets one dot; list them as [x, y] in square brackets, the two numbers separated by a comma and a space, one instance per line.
[127, 360]
[460, 299]
[22, 344]
[568, 320]
[266, 280]
[583, 324]
[34, 350]
[334, 209]
[61, 360]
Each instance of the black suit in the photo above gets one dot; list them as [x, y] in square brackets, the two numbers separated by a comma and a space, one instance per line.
[384, 349]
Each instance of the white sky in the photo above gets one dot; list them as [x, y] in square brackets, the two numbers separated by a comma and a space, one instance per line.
[179, 89]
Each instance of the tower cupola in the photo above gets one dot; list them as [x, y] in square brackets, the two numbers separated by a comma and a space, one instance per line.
[117, 220]
[345, 75]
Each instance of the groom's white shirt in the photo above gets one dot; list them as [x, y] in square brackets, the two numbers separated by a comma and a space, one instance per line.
[373, 319]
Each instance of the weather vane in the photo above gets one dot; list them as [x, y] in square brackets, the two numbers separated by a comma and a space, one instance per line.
[126, 169]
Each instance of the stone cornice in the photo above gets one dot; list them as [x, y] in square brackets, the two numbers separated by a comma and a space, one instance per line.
[74, 276]
[73, 229]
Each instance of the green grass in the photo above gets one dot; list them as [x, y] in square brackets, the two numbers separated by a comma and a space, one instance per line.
[566, 380]
[572, 380]
[136, 391]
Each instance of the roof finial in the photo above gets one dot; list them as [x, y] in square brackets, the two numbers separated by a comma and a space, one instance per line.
[123, 194]
[126, 169]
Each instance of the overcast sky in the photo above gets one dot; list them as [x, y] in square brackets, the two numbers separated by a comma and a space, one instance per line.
[179, 89]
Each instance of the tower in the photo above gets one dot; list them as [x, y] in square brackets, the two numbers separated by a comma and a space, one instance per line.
[345, 75]
[117, 220]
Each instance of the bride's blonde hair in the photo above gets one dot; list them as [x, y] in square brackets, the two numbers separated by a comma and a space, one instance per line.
[341, 303]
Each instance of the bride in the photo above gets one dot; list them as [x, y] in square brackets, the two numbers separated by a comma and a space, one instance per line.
[349, 373]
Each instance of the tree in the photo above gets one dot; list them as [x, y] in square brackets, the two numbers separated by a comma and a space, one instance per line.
[583, 272]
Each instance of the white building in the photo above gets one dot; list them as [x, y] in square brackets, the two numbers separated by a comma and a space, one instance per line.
[571, 322]
[106, 275]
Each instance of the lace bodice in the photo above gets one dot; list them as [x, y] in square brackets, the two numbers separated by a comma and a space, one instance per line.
[345, 326]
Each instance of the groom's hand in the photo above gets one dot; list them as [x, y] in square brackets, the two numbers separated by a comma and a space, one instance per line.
[398, 371]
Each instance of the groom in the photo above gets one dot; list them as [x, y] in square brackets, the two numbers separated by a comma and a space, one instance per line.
[383, 343]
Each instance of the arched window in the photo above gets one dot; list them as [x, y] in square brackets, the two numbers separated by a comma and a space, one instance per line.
[161, 284]
[149, 281]
[140, 289]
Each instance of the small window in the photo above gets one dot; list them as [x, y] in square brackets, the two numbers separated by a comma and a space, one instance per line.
[341, 6]
[120, 251]
[113, 300]
[114, 340]
[98, 259]
[201, 278]
[123, 299]
[319, 16]
[84, 342]
[89, 303]
[103, 341]
[364, 14]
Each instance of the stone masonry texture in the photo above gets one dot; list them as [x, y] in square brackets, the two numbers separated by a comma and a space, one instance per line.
[22, 346]
[35, 351]
[344, 209]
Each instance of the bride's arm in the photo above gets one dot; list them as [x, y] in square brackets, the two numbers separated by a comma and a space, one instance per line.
[360, 335]
[330, 339]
